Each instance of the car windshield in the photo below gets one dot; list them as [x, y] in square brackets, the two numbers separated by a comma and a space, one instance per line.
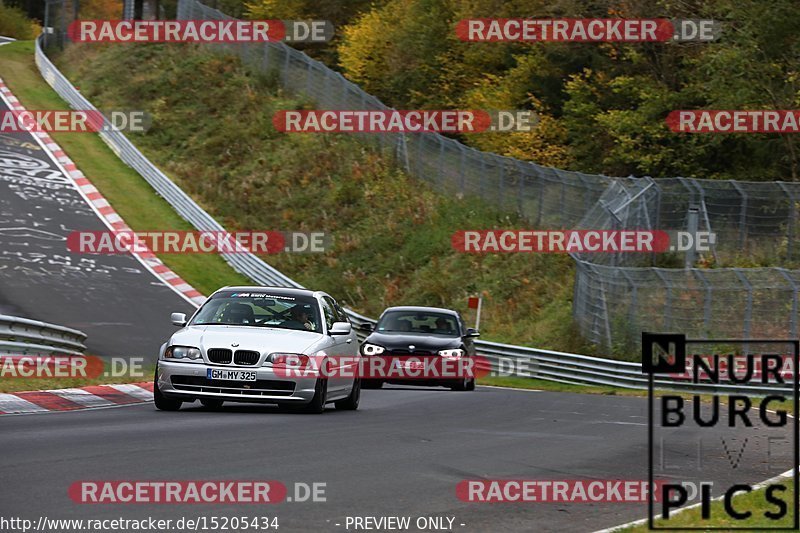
[418, 322]
[260, 309]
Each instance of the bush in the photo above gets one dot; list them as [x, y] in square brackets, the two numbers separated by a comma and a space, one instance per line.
[14, 23]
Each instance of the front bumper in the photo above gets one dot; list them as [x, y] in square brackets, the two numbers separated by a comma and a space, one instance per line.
[188, 382]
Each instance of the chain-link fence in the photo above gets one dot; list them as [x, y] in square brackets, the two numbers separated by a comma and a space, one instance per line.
[616, 295]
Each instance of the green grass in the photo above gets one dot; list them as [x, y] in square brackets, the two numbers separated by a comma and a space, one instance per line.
[754, 502]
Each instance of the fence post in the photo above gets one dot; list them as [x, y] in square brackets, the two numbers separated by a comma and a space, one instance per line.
[742, 213]
[440, 180]
[704, 207]
[500, 191]
[481, 190]
[748, 312]
[461, 169]
[707, 298]
[286, 65]
[691, 227]
[667, 300]
[541, 182]
[308, 77]
[520, 189]
[792, 220]
[655, 223]
[632, 314]
[793, 285]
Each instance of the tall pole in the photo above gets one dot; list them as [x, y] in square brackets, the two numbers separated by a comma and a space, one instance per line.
[478, 314]
[46, 22]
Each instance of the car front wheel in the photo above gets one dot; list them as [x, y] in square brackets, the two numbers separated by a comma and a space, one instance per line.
[466, 384]
[317, 404]
[162, 402]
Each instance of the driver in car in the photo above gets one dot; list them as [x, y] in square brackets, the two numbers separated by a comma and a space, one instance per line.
[299, 320]
[443, 326]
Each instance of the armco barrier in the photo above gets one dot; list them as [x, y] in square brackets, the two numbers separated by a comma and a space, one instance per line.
[524, 362]
[21, 336]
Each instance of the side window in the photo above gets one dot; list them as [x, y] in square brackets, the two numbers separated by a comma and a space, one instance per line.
[327, 309]
[341, 316]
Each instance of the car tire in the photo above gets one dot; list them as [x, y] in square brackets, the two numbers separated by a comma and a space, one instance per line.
[317, 404]
[212, 404]
[162, 402]
[351, 402]
[371, 384]
[463, 385]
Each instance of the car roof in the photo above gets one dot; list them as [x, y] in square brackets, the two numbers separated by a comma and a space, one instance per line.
[281, 291]
[420, 309]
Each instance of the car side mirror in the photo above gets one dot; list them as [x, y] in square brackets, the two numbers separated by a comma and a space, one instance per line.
[472, 332]
[368, 326]
[341, 328]
[178, 319]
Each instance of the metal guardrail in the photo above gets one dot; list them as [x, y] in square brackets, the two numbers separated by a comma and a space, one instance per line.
[524, 361]
[506, 359]
[21, 336]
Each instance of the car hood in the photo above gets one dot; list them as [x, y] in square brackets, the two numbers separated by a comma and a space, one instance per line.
[260, 339]
[421, 342]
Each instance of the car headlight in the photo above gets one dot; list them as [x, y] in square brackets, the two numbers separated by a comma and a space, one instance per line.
[372, 349]
[295, 360]
[455, 353]
[183, 353]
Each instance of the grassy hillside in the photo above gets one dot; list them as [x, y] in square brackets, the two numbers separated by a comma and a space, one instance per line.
[212, 133]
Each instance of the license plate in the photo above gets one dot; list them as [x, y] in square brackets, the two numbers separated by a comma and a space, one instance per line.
[231, 375]
[414, 365]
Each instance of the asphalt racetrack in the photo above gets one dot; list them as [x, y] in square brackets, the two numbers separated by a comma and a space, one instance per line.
[401, 454]
[122, 306]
